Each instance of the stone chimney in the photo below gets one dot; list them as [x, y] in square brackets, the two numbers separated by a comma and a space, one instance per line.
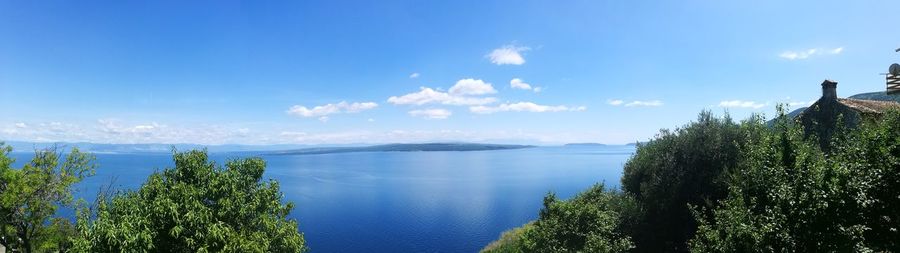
[829, 89]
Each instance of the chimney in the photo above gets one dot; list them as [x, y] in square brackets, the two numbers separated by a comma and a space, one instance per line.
[829, 89]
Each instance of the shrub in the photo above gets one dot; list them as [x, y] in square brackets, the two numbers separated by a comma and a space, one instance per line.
[194, 207]
[681, 168]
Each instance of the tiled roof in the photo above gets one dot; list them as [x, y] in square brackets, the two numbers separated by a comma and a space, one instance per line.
[868, 106]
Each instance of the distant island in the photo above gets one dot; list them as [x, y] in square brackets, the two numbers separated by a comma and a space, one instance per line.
[417, 147]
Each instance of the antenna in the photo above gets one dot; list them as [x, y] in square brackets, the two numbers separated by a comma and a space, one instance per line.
[893, 78]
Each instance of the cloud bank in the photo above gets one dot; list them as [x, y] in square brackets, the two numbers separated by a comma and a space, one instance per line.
[464, 92]
[741, 104]
[431, 113]
[523, 107]
[323, 111]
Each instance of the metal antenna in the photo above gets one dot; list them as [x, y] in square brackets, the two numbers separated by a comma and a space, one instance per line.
[893, 78]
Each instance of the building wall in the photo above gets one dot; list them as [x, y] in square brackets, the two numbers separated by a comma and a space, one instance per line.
[823, 119]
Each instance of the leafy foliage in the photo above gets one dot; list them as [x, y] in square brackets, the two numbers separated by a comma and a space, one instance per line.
[790, 196]
[194, 207]
[587, 223]
[784, 196]
[510, 241]
[680, 168]
[30, 196]
[873, 159]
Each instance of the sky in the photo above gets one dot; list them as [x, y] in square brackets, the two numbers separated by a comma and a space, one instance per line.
[341, 72]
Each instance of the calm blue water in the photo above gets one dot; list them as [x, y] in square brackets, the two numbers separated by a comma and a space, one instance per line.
[406, 201]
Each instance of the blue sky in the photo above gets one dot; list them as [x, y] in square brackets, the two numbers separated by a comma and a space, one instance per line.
[408, 71]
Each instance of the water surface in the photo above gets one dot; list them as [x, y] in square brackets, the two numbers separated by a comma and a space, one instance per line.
[405, 201]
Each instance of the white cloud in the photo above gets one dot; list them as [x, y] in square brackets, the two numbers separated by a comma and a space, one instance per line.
[414, 75]
[41, 131]
[324, 110]
[358, 107]
[517, 83]
[523, 107]
[804, 54]
[741, 104]
[112, 126]
[431, 113]
[117, 131]
[464, 92]
[634, 103]
[650, 103]
[471, 86]
[429, 96]
[793, 55]
[125, 132]
[508, 54]
[146, 128]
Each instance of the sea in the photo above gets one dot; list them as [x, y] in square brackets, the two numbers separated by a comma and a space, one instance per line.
[402, 201]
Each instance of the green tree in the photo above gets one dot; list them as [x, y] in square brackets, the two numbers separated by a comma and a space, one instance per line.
[587, 223]
[873, 159]
[510, 241]
[789, 196]
[30, 196]
[195, 207]
[677, 169]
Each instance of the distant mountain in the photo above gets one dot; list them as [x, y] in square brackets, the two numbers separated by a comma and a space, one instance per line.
[880, 96]
[586, 144]
[796, 112]
[403, 148]
[791, 115]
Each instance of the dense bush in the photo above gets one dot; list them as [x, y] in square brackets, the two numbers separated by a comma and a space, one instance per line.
[194, 207]
[790, 196]
[510, 241]
[680, 168]
[785, 195]
[589, 222]
[873, 159]
[748, 187]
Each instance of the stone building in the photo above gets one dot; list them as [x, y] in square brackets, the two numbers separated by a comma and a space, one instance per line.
[823, 116]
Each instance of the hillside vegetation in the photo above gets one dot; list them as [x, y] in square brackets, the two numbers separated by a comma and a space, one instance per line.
[716, 185]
